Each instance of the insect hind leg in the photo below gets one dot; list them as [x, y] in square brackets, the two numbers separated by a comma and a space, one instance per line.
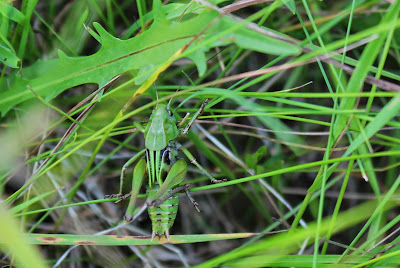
[183, 188]
[195, 204]
[120, 195]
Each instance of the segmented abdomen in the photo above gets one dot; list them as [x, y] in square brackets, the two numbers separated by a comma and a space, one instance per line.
[163, 216]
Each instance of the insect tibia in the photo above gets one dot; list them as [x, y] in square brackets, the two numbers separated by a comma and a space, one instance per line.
[195, 204]
[194, 162]
[197, 114]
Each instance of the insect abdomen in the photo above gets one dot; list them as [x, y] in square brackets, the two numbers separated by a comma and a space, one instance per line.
[163, 216]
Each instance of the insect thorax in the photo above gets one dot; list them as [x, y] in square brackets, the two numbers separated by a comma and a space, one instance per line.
[159, 162]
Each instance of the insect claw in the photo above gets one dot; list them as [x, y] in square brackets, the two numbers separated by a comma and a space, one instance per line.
[153, 234]
[196, 206]
[119, 196]
[218, 181]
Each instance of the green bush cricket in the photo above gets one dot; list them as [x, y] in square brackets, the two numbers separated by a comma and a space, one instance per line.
[164, 168]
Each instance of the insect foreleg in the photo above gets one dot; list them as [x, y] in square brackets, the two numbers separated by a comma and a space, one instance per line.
[194, 162]
[197, 114]
[183, 120]
[138, 177]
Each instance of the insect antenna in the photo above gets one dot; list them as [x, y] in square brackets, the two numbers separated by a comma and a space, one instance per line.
[155, 87]
[170, 101]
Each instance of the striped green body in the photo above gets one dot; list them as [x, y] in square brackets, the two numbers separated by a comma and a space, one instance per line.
[164, 168]
[163, 216]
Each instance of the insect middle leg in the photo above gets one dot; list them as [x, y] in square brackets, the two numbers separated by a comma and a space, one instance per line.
[187, 153]
[194, 162]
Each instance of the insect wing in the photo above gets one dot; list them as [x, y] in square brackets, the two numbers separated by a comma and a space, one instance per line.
[155, 139]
